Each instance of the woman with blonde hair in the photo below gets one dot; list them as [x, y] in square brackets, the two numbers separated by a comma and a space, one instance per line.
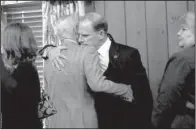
[20, 109]
[175, 107]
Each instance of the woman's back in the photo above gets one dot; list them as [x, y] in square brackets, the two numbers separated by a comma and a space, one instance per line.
[21, 106]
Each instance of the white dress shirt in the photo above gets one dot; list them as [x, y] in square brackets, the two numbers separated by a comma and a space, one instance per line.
[104, 54]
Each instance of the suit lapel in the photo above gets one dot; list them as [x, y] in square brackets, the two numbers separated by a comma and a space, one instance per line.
[114, 54]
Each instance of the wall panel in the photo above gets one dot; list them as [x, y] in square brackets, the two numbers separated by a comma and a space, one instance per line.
[156, 41]
[136, 29]
[115, 15]
[175, 9]
[100, 7]
[191, 6]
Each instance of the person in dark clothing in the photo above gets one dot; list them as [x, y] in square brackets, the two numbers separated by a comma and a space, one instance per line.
[175, 107]
[20, 108]
[127, 68]
[121, 64]
[7, 81]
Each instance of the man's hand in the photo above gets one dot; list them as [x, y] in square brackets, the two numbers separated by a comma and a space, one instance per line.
[54, 54]
[190, 105]
[129, 95]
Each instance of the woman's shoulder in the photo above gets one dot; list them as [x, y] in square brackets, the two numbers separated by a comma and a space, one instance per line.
[24, 70]
[188, 52]
[26, 66]
[186, 55]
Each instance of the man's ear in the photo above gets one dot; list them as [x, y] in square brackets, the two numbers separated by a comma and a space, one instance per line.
[101, 34]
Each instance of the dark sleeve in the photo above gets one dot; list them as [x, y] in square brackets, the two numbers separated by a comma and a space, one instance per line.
[170, 92]
[27, 94]
[41, 51]
[142, 94]
[6, 78]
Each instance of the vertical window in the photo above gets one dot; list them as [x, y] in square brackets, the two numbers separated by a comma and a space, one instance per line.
[31, 14]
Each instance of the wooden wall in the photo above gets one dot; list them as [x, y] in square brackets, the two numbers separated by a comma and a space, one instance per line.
[149, 26]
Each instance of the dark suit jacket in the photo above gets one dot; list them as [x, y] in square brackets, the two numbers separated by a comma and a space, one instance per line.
[176, 88]
[125, 66]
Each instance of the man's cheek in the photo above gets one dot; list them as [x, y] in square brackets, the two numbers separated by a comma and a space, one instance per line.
[86, 43]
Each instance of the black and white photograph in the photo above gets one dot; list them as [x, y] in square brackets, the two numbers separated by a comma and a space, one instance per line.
[97, 64]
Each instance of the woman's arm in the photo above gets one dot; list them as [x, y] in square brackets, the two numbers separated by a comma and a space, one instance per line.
[170, 92]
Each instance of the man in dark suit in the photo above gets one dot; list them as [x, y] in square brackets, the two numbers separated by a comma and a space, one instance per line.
[125, 66]
[121, 64]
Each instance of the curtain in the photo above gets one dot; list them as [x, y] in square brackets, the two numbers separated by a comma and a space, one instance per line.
[3, 25]
[52, 12]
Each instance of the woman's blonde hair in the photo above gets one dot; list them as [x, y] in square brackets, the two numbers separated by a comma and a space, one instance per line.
[19, 44]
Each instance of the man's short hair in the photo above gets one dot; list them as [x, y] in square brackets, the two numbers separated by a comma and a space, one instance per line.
[98, 21]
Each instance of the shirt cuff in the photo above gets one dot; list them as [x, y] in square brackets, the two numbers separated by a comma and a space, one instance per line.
[45, 54]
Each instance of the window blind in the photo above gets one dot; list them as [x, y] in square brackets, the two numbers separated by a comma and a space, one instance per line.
[31, 14]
